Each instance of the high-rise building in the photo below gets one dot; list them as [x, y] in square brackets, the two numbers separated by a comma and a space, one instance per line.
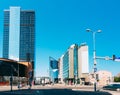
[74, 64]
[70, 64]
[19, 34]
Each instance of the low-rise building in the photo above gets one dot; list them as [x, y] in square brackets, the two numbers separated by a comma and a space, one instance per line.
[12, 69]
[103, 77]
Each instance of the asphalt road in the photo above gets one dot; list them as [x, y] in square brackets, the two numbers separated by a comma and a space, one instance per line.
[52, 91]
[55, 90]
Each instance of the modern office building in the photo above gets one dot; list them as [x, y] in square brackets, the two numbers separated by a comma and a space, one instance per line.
[83, 63]
[74, 64]
[19, 34]
[53, 70]
[70, 64]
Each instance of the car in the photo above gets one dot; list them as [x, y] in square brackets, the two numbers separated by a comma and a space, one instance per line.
[112, 87]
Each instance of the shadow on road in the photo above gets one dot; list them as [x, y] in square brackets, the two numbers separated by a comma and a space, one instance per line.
[51, 92]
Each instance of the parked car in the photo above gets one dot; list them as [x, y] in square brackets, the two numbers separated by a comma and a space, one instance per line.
[112, 87]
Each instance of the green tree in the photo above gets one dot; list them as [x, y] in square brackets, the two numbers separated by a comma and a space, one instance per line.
[116, 79]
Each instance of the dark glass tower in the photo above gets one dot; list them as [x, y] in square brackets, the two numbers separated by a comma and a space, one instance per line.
[19, 34]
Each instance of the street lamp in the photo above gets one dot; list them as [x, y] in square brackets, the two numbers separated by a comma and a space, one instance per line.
[94, 54]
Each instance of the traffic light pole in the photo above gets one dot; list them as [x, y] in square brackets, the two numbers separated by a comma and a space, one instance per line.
[94, 55]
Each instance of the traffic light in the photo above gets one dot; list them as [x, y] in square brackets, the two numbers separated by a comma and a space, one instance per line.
[113, 57]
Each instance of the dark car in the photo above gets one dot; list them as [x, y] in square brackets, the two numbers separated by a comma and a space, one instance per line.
[112, 87]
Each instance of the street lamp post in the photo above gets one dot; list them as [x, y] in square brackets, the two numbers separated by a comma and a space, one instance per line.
[94, 55]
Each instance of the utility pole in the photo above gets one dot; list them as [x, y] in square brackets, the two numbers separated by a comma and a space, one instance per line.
[94, 55]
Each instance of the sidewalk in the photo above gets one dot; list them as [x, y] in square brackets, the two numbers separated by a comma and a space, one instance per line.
[8, 88]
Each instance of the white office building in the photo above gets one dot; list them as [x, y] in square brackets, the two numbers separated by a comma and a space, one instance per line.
[83, 63]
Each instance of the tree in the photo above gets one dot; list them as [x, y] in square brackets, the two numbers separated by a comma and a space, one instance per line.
[116, 79]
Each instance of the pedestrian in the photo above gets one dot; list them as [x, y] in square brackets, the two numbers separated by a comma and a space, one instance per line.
[30, 79]
[30, 82]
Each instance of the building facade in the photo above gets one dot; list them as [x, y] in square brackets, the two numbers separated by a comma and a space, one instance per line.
[53, 70]
[15, 70]
[74, 64]
[66, 66]
[60, 69]
[103, 78]
[70, 64]
[19, 34]
[83, 63]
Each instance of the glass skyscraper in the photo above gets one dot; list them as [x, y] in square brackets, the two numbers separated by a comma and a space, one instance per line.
[19, 34]
[53, 69]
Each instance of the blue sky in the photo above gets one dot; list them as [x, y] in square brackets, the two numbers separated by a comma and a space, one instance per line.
[60, 23]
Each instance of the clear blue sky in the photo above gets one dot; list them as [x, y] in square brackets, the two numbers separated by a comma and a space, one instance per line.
[60, 23]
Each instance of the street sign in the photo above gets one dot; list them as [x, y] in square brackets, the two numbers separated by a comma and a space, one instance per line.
[117, 59]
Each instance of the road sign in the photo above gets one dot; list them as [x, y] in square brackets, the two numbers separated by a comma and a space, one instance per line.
[117, 59]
